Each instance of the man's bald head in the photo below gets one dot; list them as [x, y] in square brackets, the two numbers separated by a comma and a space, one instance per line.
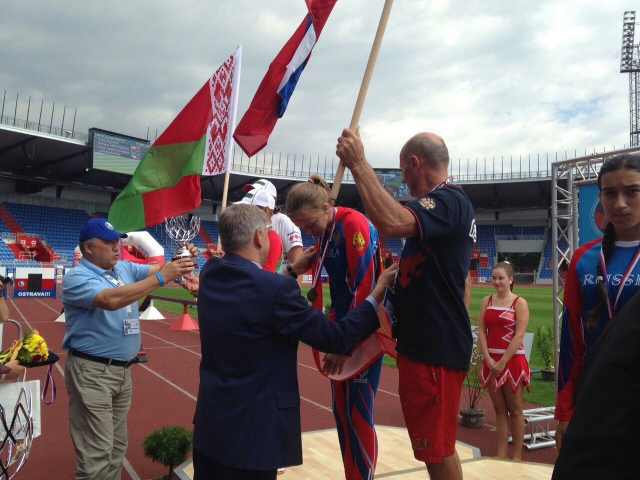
[427, 146]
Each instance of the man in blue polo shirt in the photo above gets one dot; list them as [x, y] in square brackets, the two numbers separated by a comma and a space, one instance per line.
[100, 298]
[433, 330]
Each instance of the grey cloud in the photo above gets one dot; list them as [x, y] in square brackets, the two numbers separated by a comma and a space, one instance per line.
[497, 78]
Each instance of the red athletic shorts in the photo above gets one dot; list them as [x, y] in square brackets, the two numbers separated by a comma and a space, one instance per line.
[430, 399]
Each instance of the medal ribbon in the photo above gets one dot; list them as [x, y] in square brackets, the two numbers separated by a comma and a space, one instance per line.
[49, 381]
[320, 260]
[613, 309]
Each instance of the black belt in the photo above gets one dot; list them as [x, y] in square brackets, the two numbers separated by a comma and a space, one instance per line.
[106, 361]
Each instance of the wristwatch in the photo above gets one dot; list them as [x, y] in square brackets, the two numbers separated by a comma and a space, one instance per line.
[291, 271]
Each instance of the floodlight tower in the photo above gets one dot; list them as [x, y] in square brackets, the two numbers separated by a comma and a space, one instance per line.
[630, 63]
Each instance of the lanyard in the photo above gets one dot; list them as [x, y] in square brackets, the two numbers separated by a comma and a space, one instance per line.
[440, 185]
[320, 261]
[117, 283]
[613, 309]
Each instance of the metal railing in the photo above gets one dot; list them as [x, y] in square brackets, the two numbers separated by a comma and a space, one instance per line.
[40, 127]
[483, 177]
[292, 166]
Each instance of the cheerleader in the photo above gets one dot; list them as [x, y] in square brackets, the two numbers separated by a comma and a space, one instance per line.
[502, 323]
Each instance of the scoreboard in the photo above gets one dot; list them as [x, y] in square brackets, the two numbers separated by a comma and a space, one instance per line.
[114, 152]
[391, 180]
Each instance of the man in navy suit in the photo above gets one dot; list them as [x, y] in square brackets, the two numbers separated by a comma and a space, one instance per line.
[247, 421]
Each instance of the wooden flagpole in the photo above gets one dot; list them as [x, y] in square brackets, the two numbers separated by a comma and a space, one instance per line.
[355, 119]
[225, 190]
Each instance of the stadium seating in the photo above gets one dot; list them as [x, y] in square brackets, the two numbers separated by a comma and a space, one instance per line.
[510, 232]
[56, 227]
[546, 270]
[211, 228]
[394, 245]
[59, 227]
[6, 255]
[486, 243]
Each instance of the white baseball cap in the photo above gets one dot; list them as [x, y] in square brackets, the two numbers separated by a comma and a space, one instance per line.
[260, 197]
[262, 183]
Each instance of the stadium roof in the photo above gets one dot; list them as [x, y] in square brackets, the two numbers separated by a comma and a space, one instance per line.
[38, 159]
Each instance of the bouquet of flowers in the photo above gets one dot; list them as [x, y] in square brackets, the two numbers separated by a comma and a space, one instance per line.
[31, 348]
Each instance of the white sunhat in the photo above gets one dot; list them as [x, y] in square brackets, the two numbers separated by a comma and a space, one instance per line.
[260, 197]
[262, 183]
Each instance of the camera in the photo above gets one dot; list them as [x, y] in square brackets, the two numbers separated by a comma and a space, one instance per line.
[6, 280]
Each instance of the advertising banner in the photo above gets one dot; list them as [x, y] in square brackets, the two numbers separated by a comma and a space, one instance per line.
[34, 282]
[591, 221]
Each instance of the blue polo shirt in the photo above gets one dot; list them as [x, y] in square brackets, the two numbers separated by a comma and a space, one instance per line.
[95, 331]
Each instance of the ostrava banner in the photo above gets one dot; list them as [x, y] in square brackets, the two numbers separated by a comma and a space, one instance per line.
[34, 282]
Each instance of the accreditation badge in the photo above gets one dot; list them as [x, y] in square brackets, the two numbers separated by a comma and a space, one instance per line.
[131, 326]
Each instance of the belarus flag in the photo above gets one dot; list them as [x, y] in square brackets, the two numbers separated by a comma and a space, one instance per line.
[272, 97]
[197, 142]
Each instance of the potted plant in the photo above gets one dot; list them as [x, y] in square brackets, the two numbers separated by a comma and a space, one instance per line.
[545, 342]
[472, 416]
[168, 446]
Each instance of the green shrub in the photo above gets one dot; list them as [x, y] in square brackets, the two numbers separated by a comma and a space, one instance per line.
[475, 391]
[168, 445]
[546, 343]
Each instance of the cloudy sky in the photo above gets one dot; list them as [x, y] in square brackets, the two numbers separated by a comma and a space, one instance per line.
[496, 78]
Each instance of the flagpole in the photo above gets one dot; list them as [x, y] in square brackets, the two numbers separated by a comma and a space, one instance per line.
[355, 119]
[225, 190]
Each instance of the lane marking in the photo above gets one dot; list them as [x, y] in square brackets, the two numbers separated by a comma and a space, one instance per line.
[328, 409]
[130, 470]
[165, 379]
[316, 404]
[48, 306]
[173, 344]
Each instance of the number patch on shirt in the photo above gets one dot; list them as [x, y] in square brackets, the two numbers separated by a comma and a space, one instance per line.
[472, 232]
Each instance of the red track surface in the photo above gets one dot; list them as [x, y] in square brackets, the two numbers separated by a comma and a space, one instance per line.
[165, 390]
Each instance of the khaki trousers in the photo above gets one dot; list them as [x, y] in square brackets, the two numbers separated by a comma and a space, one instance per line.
[99, 400]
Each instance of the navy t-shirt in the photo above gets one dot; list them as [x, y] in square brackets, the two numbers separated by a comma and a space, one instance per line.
[433, 324]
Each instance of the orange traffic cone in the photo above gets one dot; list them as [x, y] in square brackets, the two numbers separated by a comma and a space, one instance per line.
[185, 322]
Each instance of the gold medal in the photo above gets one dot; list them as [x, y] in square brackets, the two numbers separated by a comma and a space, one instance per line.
[312, 295]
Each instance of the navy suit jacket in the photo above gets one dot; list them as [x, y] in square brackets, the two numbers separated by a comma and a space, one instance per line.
[248, 408]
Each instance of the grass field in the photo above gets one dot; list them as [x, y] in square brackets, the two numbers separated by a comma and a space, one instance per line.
[539, 298]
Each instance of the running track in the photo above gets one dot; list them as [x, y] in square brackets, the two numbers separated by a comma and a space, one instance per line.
[165, 391]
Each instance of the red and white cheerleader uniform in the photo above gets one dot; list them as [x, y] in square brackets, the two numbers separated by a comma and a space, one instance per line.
[501, 325]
